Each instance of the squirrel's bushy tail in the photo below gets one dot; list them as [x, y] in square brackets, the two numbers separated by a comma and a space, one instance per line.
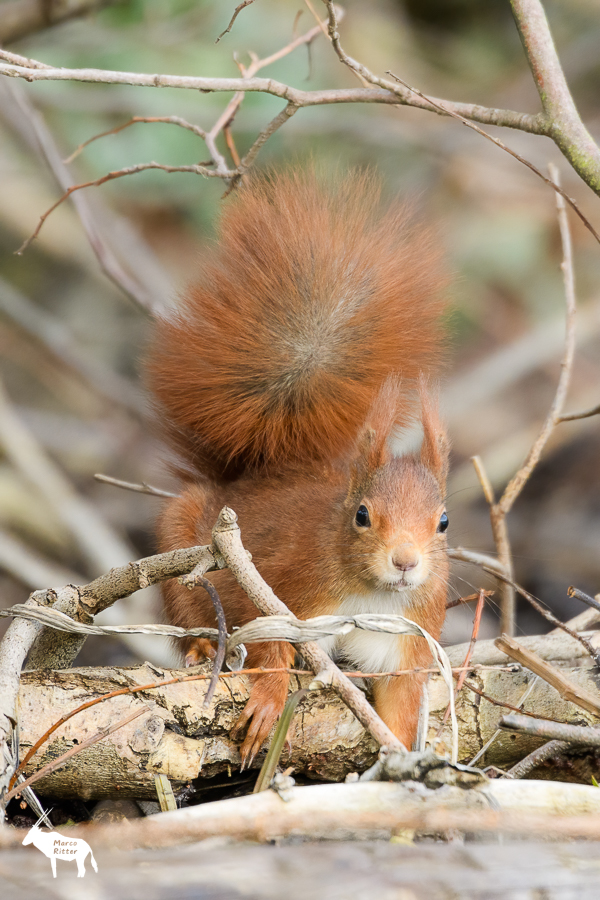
[313, 298]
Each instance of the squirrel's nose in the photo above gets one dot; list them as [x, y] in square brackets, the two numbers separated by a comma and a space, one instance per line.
[406, 558]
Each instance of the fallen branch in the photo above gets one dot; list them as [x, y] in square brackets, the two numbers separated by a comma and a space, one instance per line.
[371, 810]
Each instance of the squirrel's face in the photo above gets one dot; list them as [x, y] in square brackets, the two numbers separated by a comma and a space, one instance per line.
[396, 537]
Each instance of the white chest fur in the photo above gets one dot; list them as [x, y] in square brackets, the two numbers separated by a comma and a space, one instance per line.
[369, 651]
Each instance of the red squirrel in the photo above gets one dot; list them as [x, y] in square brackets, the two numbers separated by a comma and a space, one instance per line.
[310, 336]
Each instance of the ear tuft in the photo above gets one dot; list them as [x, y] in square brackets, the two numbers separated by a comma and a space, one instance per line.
[372, 450]
[435, 448]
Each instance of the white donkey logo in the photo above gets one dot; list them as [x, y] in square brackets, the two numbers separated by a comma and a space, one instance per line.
[55, 846]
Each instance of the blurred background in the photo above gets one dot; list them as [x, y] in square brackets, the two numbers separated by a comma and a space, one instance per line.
[72, 403]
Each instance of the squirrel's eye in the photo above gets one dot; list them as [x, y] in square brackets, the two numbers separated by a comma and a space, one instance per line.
[362, 517]
[443, 524]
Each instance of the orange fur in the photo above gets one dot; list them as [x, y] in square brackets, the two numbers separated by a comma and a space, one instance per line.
[281, 381]
[312, 299]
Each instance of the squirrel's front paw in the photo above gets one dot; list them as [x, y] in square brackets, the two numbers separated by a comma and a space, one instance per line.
[261, 717]
[197, 651]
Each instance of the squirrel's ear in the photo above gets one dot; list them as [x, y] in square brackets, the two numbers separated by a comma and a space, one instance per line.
[435, 448]
[372, 450]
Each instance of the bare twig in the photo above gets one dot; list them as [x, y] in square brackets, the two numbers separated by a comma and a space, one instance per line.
[119, 241]
[550, 617]
[474, 634]
[566, 688]
[542, 728]
[585, 598]
[502, 703]
[489, 563]
[513, 489]
[501, 539]
[41, 72]
[142, 488]
[21, 17]
[226, 536]
[192, 580]
[497, 732]
[236, 13]
[170, 120]
[500, 509]
[458, 602]
[121, 173]
[18, 60]
[551, 183]
[534, 759]
[557, 116]
[584, 414]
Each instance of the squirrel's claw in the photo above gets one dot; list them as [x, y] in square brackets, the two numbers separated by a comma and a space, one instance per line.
[261, 718]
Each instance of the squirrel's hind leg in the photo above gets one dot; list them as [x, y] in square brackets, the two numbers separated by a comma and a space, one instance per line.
[267, 696]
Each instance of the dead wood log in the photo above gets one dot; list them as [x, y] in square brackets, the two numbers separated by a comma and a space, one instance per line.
[179, 738]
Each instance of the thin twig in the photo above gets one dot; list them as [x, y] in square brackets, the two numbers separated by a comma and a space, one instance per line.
[584, 414]
[566, 128]
[238, 10]
[585, 598]
[171, 120]
[553, 184]
[235, 156]
[515, 486]
[489, 116]
[550, 617]
[502, 542]
[484, 560]
[567, 689]
[120, 173]
[503, 704]
[142, 488]
[474, 634]
[458, 602]
[198, 579]
[497, 732]
[141, 277]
